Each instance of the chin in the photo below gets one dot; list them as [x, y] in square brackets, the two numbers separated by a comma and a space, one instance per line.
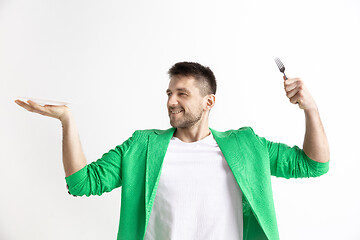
[174, 125]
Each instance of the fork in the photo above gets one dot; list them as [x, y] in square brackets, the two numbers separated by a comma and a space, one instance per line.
[280, 66]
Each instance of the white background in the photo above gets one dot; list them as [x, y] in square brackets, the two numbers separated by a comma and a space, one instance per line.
[109, 60]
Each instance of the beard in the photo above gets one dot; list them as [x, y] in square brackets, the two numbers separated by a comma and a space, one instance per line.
[185, 119]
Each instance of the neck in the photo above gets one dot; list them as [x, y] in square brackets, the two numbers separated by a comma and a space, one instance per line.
[192, 134]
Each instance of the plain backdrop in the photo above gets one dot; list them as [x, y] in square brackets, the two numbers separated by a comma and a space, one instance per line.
[109, 59]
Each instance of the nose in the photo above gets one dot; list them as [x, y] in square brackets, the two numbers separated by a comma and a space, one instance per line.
[172, 100]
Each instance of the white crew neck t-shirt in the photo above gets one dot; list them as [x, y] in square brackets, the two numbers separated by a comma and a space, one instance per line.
[197, 195]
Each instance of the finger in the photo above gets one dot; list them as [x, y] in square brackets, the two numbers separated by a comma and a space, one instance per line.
[291, 80]
[34, 107]
[292, 92]
[37, 107]
[296, 98]
[24, 105]
[289, 87]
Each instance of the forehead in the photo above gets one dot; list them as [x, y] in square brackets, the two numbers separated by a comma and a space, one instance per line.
[185, 83]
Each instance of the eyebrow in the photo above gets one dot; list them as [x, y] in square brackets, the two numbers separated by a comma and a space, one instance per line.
[180, 90]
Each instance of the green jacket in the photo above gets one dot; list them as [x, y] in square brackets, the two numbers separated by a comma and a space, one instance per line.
[136, 164]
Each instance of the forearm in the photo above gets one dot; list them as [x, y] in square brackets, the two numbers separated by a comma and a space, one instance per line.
[315, 144]
[73, 155]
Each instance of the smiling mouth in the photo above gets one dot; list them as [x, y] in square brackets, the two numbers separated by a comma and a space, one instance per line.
[177, 112]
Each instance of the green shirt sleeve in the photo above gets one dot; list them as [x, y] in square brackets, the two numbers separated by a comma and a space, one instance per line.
[100, 176]
[291, 162]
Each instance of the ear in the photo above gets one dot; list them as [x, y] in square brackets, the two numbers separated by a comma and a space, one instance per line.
[210, 102]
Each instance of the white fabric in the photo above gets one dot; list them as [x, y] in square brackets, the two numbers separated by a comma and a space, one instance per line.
[197, 196]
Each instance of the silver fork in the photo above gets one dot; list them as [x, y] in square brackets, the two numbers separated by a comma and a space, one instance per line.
[280, 66]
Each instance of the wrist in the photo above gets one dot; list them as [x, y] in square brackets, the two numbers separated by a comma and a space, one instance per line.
[312, 109]
[311, 115]
[65, 117]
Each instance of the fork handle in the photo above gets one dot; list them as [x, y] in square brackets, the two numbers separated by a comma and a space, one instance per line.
[285, 76]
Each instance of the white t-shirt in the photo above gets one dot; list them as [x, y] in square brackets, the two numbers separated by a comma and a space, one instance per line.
[197, 196]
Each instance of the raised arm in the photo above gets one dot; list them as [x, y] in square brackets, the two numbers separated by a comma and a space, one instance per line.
[315, 143]
[73, 156]
[95, 178]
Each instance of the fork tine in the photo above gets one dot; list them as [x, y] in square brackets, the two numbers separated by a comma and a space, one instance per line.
[280, 66]
[279, 63]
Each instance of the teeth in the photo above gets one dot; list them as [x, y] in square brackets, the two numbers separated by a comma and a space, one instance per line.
[176, 112]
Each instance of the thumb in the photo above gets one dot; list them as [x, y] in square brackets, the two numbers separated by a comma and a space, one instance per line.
[286, 78]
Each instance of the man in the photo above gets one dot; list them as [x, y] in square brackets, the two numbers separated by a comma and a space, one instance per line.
[191, 181]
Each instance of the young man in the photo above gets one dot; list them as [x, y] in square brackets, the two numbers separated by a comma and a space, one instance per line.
[191, 181]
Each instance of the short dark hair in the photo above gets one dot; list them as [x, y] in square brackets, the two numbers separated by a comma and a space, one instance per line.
[204, 76]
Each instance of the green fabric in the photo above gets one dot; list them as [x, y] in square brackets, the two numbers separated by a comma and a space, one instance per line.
[135, 165]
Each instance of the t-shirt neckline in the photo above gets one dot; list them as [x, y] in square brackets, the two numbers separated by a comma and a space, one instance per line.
[205, 139]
